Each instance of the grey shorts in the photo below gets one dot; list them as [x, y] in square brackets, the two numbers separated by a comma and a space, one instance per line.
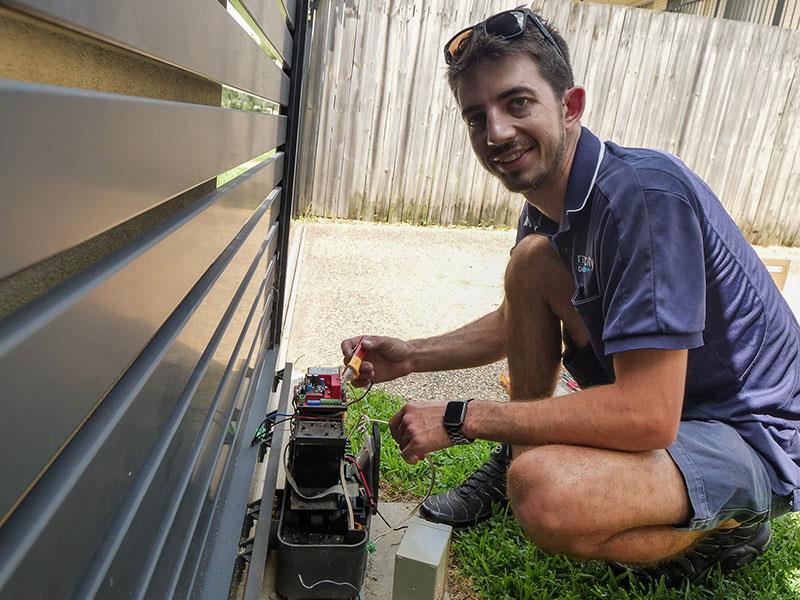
[724, 477]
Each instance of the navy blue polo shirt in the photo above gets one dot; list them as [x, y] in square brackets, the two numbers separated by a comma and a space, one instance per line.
[658, 263]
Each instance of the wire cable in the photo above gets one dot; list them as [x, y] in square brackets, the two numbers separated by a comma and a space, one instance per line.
[411, 513]
[321, 581]
[378, 512]
[361, 397]
[351, 521]
[289, 478]
[352, 460]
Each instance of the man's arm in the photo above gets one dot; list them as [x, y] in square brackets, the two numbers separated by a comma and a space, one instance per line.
[478, 343]
[641, 411]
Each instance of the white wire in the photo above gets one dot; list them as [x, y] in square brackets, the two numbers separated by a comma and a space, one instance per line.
[290, 479]
[351, 521]
[321, 581]
[361, 424]
[413, 510]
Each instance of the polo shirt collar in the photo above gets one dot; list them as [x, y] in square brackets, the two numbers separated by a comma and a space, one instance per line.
[585, 167]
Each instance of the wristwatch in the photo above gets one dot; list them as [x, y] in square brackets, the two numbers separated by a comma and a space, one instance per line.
[453, 421]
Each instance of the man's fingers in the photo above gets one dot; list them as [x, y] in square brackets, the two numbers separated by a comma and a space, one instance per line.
[361, 382]
[394, 423]
[367, 370]
[348, 346]
[411, 458]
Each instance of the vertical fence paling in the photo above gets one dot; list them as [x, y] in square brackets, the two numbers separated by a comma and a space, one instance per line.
[383, 137]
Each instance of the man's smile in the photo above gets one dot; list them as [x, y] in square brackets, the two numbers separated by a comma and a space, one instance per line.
[511, 160]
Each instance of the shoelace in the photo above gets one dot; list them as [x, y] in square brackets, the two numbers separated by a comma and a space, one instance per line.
[489, 470]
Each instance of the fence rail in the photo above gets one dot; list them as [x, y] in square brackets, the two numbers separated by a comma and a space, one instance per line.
[383, 138]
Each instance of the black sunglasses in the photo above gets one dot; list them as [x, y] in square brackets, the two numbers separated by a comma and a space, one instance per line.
[507, 25]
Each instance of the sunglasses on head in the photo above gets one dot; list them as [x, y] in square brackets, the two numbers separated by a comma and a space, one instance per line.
[507, 25]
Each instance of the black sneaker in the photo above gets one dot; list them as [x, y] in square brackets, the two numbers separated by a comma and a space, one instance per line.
[727, 548]
[472, 501]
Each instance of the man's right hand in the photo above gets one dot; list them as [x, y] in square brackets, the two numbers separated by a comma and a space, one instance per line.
[386, 358]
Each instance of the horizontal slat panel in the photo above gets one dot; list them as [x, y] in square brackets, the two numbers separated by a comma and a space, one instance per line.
[135, 539]
[290, 8]
[261, 533]
[198, 36]
[85, 333]
[267, 16]
[181, 480]
[179, 558]
[99, 467]
[224, 530]
[73, 164]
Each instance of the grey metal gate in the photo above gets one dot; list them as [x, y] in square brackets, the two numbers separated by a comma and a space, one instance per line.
[139, 321]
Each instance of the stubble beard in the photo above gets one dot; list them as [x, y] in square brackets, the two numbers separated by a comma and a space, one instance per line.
[515, 182]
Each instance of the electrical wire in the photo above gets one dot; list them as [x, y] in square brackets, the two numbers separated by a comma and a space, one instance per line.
[361, 424]
[331, 490]
[361, 397]
[321, 581]
[263, 432]
[411, 513]
[351, 521]
[352, 460]
[378, 512]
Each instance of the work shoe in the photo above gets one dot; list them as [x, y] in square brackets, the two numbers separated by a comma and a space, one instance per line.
[472, 501]
[728, 548]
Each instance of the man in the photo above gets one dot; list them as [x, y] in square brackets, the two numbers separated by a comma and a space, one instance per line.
[683, 442]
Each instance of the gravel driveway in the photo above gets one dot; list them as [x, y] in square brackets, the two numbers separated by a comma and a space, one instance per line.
[397, 280]
[410, 282]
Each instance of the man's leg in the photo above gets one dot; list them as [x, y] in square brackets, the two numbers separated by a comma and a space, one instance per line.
[600, 513]
[538, 289]
[602, 504]
[538, 292]
[621, 506]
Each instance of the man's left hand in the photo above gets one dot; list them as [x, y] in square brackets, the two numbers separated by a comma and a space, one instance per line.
[418, 429]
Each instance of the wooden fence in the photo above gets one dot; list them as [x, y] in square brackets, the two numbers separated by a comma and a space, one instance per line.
[784, 13]
[384, 141]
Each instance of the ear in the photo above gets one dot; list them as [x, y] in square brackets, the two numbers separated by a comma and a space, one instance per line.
[574, 105]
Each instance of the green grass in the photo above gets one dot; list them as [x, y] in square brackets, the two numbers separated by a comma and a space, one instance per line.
[500, 564]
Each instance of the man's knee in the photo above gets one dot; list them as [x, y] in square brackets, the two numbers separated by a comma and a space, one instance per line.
[541, 500]
[534, 268]
[530, 260]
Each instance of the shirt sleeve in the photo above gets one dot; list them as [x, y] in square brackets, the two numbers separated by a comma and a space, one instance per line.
[652, 272]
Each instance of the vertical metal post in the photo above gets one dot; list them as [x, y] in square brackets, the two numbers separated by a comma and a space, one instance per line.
[294, 110]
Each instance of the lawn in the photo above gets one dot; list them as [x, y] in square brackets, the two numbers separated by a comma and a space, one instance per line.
[498, 563]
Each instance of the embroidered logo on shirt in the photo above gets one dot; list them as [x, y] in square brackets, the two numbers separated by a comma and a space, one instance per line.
[527, 221]
[585, 264]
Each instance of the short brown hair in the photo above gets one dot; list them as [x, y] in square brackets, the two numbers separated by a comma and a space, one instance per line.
[481, 48]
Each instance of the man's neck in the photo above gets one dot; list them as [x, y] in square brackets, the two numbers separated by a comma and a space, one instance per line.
[550, 198]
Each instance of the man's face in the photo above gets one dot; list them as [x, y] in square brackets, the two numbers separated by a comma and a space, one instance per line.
[515, 122]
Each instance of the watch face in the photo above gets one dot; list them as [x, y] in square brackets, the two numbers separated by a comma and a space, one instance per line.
[454, 413]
